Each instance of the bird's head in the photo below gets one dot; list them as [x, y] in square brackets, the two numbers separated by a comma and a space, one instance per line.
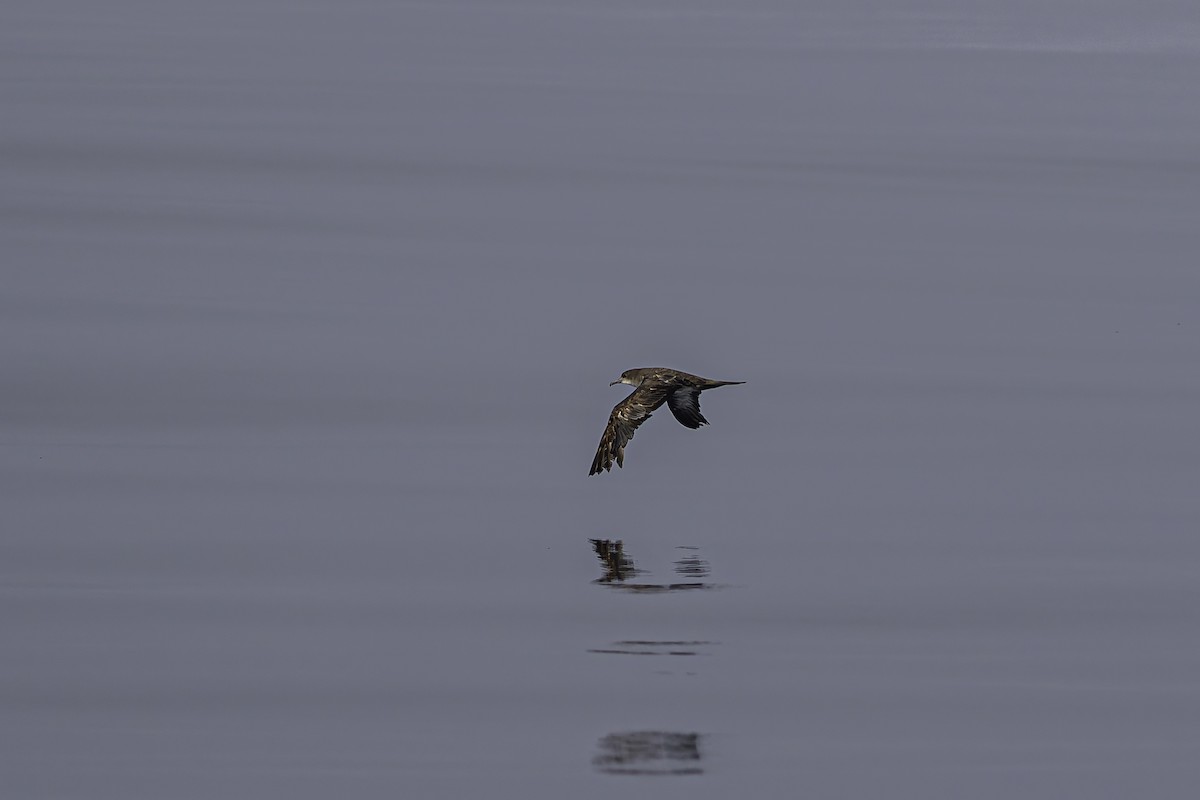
[631, 376]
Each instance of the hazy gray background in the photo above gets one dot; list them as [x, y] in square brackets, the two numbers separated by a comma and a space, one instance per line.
[307, 315]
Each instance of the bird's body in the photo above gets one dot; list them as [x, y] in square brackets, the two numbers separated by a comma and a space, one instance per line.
[654, 386]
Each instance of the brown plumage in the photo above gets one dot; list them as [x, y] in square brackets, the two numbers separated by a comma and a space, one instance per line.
[655, 386]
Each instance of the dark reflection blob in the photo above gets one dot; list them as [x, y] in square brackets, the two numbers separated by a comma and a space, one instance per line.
[645, 647]
[691, 565]
[649, 753]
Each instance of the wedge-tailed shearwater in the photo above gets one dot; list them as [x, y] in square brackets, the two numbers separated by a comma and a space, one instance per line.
[655, 386]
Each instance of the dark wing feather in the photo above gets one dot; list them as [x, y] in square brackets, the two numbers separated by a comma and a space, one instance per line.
[625, 418]
[684, 403]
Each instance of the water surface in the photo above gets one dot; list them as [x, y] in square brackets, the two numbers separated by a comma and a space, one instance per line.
[307, 316]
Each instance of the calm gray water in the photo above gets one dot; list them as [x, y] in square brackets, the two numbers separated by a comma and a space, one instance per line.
[307, 316]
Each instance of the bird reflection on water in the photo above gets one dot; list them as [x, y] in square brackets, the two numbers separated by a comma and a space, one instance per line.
[649, 752]
[619, 568]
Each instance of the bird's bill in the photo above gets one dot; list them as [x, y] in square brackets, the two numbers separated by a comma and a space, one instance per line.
[614, 383]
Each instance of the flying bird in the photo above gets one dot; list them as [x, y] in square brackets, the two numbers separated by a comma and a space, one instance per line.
[655, 386]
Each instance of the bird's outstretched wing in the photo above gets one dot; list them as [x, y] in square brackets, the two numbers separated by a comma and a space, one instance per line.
[625, 418]
[684, 403]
